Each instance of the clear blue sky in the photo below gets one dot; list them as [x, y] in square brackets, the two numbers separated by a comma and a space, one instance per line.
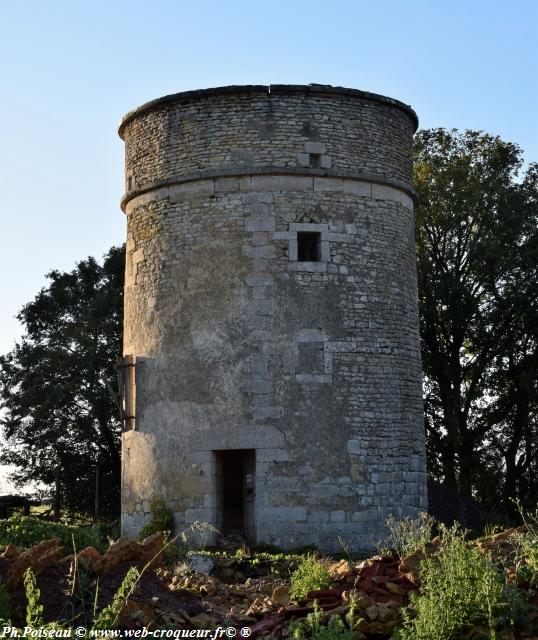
[70, 70]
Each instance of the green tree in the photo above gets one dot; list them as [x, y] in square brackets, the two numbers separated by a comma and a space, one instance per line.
[477, 250]
[58, 415]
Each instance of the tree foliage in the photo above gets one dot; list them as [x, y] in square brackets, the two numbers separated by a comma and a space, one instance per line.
[477, 246]
[58, 416]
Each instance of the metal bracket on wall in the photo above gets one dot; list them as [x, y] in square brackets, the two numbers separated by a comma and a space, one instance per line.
[126, 368]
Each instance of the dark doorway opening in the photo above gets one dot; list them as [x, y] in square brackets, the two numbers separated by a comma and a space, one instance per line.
[237, 490]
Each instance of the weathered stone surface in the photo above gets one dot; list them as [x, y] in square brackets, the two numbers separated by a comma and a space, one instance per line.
[38, 558]
[218, 304]
[281, 595]
[152, 548]
[122, 550]
[88, 557]
[200, 563]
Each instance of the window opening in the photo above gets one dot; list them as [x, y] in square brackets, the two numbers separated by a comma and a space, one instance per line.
[315, 160]
[308, 246]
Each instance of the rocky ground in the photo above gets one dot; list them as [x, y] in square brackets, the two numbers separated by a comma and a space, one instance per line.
[203, 591]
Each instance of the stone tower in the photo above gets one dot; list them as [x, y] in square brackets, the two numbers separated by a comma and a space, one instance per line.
[271, 371]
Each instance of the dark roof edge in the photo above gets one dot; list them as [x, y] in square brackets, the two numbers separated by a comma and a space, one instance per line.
[268, 89]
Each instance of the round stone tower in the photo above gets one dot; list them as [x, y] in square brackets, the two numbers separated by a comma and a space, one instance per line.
[271, 371]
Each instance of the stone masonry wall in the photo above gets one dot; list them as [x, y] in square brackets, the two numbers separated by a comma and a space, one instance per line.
[315, 365]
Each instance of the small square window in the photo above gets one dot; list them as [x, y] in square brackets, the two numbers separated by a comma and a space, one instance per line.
[315, 160]
[308, 246]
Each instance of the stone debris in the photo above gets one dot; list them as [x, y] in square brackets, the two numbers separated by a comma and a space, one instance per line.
[410, 564]
[341, 568]
[281, 595]
[200, 563]
[123, 550]
[375, 589]
[501, 545]
[38, 558]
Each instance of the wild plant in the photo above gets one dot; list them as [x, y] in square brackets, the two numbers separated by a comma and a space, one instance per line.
[34, 610]
[315, 627]
[312, 574]
[460, 587]
[526, 560]
[407, 535]
[198, 534]
[108, 617]
[162, 519]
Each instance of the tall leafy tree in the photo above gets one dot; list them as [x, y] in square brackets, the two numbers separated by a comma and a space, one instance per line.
[59, 419]
[477, 249]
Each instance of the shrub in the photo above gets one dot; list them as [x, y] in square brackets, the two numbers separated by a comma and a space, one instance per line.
[407, 535]
[26, 531]
[311, 574]
[527, 558]
[162, 519]
[34, 610]
[460, 587]
[314, 628]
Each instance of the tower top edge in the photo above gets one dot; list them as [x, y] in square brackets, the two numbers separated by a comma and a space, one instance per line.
[281, 89]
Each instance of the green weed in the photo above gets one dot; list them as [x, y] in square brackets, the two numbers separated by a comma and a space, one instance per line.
[162, 519]
[34, 610]
[26, 531]
[108, 617]
[311, 574]
[315, 628]
[407, 535]
[460, 587]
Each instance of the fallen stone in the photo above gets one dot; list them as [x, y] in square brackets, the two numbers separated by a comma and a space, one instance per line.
[341, 568]
[359, 598]
[153, 548]
[88, 557]
[281, 595]
[371, 612]
[200, 563]
[386, 613]
[123, 550]
[142, 612]
[376, 628]
[38, 558]
[396, 589]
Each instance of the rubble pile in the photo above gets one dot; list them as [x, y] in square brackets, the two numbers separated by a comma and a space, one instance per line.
[374, 589]
[206, 591]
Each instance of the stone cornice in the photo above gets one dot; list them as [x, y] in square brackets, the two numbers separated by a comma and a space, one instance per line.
[310, 89]
[214, 175]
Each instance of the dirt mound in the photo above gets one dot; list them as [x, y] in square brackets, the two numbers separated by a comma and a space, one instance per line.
[68, 585]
